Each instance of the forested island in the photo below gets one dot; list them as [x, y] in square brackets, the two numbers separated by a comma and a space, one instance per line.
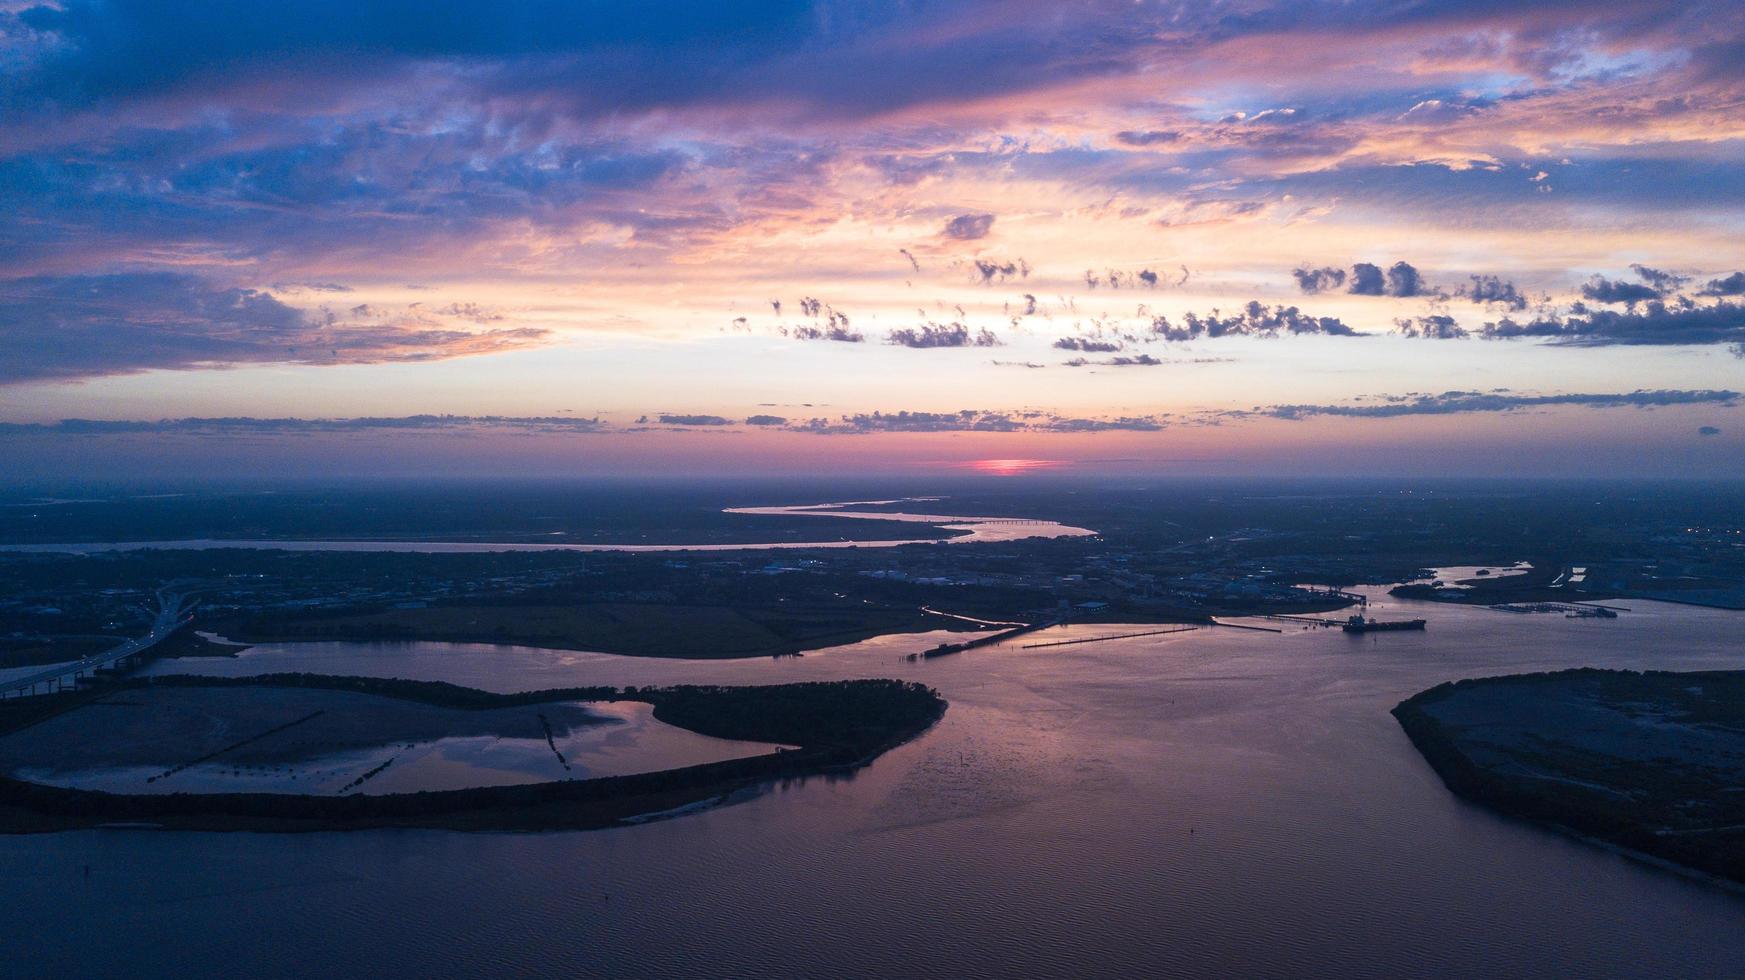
[1651, 762]
[812, 728]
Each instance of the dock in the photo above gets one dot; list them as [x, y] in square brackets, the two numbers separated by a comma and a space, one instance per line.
[1117, 636]
[947, 649]
[1245, 626]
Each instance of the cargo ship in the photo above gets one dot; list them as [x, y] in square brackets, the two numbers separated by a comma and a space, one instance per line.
[1357, 624]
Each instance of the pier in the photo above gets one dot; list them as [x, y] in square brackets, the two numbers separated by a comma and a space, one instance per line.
[1117, 636]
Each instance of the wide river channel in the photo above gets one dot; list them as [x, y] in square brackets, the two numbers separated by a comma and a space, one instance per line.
[967, 530]
[1219, 802]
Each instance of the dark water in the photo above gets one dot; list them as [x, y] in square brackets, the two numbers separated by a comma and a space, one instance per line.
[1219, 802]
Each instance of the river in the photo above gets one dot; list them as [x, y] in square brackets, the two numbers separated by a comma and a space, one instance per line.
[1216, 802]
[970, 530]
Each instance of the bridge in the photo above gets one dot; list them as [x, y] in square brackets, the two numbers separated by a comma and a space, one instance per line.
[174, 612]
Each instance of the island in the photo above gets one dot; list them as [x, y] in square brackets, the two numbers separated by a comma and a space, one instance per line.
[278, 726]
[1652, 763]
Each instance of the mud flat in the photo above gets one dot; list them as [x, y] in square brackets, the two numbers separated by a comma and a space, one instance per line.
[1652, 762]
[163, 729]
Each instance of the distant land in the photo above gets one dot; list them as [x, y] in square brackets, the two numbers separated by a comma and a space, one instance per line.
[1652, 762]
[1180, 552]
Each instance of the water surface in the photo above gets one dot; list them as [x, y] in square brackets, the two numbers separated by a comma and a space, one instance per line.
[971, 530]
[1213, 803]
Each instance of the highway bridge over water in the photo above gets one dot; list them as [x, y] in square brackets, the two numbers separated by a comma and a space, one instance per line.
[174, 613]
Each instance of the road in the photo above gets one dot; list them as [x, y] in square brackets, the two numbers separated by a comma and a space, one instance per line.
[170, 618]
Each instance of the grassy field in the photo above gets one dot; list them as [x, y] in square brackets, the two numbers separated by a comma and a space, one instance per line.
[633, 629]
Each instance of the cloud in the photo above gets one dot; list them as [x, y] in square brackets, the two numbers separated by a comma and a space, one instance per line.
[974, 420]
[1661, 280]
[1603, 290]
[1120, 424]
[1439, 111]
[64, 327]
[1733, 285]
[1087, 345]
[695, 420]
[1708, 430]
[1438, 326]
[1148, 137]
[1255, 320]
[766, 420]
[991, 269]
[1462, 402]
[837, 332]
[292, 426]
[1681, 321]
[1404, 280]
[941, 335]
[1317, 280]
[1491, 289]
[1135, 360]
[969, 227]
[967, 420]
[1367, 280]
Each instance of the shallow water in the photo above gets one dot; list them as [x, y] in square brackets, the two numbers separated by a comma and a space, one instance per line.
[628, 739]
[1218, 802]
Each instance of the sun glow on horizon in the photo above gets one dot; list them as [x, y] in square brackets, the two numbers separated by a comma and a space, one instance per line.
[1012, 467]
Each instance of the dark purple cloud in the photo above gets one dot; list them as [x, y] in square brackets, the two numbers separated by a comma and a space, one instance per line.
[243, 425]
[694, 420]
[1311, 280]
[1089, 345]
[836, 332]
[1681, 321]
[1254, 320]
[1461, 402]
[1149, 137]
[974, 420]
[1733, 285]
[81, 326]
[1603, 290]
[1437, 326]
[1404, 280]
[969, 227]
[1367, 279]
[942, 335]
[1491, 289]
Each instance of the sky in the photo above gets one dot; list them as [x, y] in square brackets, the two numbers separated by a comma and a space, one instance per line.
[608, 239]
